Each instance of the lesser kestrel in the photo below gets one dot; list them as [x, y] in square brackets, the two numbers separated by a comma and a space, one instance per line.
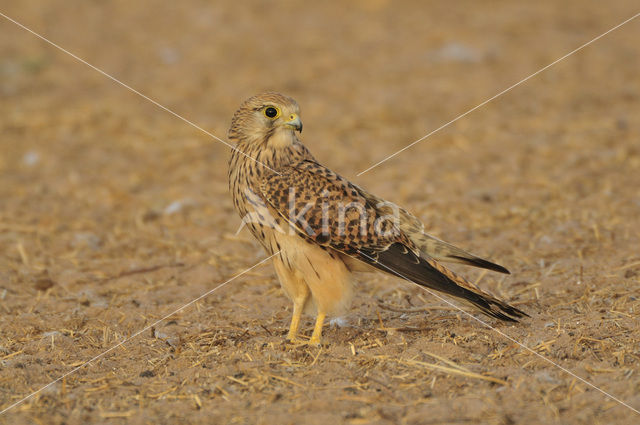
[323, 228]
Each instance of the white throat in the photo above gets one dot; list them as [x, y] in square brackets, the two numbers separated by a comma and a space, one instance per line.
[282, 138]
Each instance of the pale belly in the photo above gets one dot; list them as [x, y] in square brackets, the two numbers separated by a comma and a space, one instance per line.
[303, 266]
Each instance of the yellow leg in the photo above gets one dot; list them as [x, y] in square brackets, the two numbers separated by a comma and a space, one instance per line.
[298, 306]
[295, 323]
[316, 336]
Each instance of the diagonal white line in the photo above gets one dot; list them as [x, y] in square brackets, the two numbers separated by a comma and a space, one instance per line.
[506, 336]
[498, 95]
[135, 335]
[264, 260]
[114, 79]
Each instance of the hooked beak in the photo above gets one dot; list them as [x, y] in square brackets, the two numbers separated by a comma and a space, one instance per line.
[294, 123]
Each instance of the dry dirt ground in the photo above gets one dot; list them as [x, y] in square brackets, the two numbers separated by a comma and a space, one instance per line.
[114, 213]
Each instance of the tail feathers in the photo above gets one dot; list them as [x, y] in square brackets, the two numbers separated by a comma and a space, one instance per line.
[429, 246]
[443, 251]
[402, 262]
[478, 262]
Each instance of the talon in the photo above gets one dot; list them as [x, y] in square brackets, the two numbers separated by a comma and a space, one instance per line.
[316, 342]
[295, 341]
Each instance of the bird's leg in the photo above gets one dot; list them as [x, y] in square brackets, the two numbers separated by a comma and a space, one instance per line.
[295, 323]
[298, 306]
[317, 330]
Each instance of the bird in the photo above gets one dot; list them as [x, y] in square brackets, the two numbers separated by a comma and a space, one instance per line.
[322, 229]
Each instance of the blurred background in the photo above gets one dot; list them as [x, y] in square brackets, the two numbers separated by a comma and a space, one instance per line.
[114, 212]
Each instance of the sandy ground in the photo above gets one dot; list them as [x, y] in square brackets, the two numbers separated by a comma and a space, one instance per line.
[114, 213]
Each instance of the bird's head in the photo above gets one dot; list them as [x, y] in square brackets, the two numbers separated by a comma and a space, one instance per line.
[269, 118]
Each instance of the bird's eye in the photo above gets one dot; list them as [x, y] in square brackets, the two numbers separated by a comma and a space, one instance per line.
[271, 112]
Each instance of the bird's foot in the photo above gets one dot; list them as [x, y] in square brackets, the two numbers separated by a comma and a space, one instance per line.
[315, 341]
[298, 342]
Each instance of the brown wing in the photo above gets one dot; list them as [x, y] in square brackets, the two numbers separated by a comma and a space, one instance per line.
[427, 244]
[326, 209]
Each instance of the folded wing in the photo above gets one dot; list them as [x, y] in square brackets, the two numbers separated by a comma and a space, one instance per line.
[427, 244]
[328, 210]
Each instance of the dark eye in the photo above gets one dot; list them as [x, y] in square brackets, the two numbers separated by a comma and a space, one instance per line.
[271, 112]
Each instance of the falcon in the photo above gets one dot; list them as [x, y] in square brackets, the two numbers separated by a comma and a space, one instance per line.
[320, 228]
